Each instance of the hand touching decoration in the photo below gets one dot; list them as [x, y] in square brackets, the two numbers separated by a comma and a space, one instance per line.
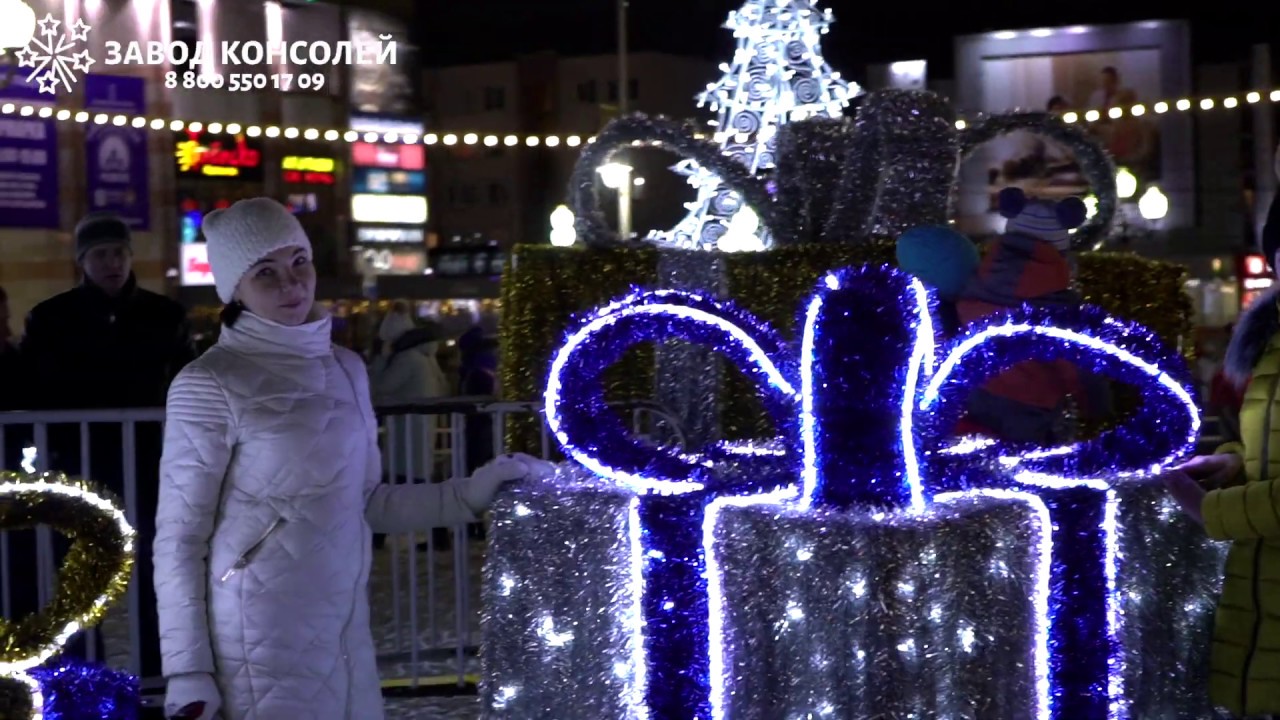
[863, 418]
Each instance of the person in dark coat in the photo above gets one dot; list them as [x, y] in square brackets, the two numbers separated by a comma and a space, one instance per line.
[10, 370]
[108, 344]
[12, 390]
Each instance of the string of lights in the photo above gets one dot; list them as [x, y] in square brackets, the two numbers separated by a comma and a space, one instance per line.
[1205, 104]
[451, 139]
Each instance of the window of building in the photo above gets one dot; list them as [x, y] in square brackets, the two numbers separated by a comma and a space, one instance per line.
[453, 196]
[495, 98]
[469, 195]
[633, 90]
[587, 91]
[497, 194]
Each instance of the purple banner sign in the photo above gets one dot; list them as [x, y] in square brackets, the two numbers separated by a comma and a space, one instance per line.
[118, 179]
[28, 162]
[22, 87]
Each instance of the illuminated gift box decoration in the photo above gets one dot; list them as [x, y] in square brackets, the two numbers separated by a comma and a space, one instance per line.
[832, 572]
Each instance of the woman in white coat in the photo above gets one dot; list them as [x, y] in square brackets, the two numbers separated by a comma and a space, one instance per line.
[270, 486]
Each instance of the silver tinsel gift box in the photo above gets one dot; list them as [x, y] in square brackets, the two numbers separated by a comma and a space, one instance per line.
[560, 628]
[831, 614]
[841, 615]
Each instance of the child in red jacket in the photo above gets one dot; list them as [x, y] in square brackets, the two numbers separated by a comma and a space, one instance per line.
[1034, 401]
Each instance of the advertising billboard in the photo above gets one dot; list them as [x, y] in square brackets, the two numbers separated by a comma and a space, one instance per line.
[1077, 69]
[117, 170]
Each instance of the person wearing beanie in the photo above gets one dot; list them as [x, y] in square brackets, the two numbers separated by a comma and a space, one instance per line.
[270, 492]
[409, 373]
[1235, 494]
[1034, 401]
[105, 344]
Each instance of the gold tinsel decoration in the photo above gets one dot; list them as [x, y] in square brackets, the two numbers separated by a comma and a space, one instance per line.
[544, 287]
[95, 574]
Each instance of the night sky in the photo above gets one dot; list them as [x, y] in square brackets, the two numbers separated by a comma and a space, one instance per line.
[473, 31]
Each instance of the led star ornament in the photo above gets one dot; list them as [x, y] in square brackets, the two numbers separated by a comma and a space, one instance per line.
[863, 416]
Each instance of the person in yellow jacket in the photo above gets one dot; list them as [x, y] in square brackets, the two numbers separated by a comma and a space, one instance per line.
[1235, 493]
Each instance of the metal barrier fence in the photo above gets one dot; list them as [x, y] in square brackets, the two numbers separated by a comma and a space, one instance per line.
[424, 639]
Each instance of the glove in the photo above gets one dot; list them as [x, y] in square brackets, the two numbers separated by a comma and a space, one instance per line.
[183, 690]
[479, 489]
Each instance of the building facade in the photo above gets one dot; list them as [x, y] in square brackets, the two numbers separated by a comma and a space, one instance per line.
[498, 196]
[165, 178]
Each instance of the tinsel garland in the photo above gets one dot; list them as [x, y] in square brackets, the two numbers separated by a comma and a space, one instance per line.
[607, 446]
[95, 573]
[814, 149]
[678, 137]
[892, 168]
[873, 419]
[899, 166]
[1095, 164]
[15, 699]
[79, 691]
[545, 287]
[688, 377]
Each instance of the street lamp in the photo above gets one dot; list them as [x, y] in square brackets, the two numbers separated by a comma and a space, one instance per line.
[15, 33]
[1126, 183]
[617, 176]
[563, 233]
[614, 175]
[1153, 205]
[19, 25]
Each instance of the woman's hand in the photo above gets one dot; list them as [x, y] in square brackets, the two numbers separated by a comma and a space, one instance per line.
[1214, 471]
[1186, 491]
[479, 489]
[193, 696]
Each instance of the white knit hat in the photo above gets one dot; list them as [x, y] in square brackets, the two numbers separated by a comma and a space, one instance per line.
[243, 234]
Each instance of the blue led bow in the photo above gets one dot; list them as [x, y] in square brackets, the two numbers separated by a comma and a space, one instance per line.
[863, 421]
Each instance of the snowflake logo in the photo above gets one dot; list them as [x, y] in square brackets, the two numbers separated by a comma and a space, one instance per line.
[56, 64]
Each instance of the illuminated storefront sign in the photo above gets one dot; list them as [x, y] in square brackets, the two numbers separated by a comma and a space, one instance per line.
[394, 157]
[308, 170]
[393, 261]
[397, 209]
[218, 157]
[382, 181]
[1254, 277]
[195, 265]
[389, 236]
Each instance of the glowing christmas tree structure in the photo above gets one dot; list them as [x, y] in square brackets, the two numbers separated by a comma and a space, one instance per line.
[777, 76]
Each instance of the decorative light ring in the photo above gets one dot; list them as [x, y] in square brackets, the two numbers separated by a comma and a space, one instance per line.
[657, 131]
[95, 573]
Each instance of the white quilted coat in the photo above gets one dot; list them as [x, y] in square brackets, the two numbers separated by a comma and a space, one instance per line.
[270, 489]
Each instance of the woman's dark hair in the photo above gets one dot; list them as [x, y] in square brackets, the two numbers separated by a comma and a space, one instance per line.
[230, 313]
